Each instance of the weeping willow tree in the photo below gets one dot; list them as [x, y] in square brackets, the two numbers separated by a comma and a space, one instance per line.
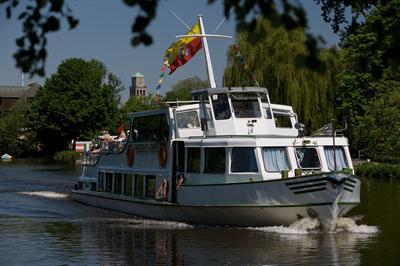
[275, 60]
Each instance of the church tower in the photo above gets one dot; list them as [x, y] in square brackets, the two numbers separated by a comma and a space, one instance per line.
[138, 87]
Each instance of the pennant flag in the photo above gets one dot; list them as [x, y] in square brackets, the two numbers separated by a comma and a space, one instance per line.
[183, 50]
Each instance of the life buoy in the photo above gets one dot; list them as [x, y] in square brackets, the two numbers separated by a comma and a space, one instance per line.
[162, 154]
[130, 155]
[162, 192]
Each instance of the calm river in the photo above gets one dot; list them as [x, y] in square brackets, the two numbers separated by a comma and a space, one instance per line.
[40, 225]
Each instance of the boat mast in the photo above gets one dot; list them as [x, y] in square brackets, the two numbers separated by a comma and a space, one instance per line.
[210, 72]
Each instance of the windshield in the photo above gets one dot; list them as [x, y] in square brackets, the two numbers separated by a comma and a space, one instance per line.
[246, 105]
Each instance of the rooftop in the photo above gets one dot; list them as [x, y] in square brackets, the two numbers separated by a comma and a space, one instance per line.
[137, 75]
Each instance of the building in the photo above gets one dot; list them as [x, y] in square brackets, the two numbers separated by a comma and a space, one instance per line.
[9, 95]
[138, 87]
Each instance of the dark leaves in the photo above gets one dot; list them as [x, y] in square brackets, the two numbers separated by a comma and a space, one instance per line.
[73, 22]
[52, 24]
[38, 19]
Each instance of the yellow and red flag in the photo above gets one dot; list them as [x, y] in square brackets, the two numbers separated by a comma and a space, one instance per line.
[183, 49]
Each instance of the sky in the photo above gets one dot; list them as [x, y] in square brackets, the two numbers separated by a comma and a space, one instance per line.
[104, 33]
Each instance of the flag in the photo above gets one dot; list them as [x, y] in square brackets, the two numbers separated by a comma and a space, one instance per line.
[183, 50]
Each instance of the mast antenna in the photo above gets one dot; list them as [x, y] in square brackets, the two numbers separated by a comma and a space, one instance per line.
[222, 21]
[181, 20]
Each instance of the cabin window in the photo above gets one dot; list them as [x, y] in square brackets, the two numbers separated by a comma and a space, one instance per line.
[193, 160]
[139, 182]
[275, 159]
[243, 160]
[307, 158]
[150, 186]
[100, 181]
[341, 160]
[188, 119]
[109, 181]
[128, 184]
[118, 183]
[265, 106]
[282, 120]
[221, 106]
[246, 105]
[151, 128]
[215, 160]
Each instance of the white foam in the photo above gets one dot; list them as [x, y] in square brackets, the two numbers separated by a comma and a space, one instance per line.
[349, 225]
[300, 227]
[309, 225]
[45, 194]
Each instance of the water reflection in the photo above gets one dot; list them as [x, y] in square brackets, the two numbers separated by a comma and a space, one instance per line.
[39, 225]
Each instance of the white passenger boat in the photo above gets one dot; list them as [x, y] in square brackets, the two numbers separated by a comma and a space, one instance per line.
[229, 157]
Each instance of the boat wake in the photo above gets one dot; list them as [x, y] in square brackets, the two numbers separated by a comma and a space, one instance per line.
[45, 194]
[146, 223]
[313, 225]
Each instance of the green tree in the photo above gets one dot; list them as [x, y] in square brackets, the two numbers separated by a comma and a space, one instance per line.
[369, 76]
[181, 91]
[75, 103]
[15, 136]
[139, 104]
[275, 61]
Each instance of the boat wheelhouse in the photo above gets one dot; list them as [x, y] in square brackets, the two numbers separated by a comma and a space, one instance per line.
[229, 157]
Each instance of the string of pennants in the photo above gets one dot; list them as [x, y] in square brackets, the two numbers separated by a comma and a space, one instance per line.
[161, 80]
[242, 61]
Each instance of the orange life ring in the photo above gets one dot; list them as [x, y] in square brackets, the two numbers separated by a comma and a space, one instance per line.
[162, 154]
[130, 155]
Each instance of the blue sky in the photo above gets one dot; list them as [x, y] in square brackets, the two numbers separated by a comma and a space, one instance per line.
[104, 33]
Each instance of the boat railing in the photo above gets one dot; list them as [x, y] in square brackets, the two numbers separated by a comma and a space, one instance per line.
[90, 157]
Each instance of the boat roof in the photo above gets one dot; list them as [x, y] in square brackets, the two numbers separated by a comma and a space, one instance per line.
[228, 89]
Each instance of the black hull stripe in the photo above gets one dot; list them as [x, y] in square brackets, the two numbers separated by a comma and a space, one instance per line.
[310, 185]
[351, 180]
[310, 190]
[348, 189]
[306, 181]
[349, 185]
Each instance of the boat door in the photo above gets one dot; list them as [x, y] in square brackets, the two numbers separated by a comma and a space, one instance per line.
[178, 165]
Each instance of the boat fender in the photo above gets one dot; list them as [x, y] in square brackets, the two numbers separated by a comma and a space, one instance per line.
[162, 154]
[162, 192]
[130, 155]
[181, 180]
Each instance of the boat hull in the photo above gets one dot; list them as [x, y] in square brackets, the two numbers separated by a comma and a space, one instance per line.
[266, 203]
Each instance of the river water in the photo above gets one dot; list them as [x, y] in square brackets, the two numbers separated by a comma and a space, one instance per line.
[41, 225]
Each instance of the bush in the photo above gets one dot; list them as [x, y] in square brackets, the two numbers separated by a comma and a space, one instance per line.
[67, 156]
[378, 170]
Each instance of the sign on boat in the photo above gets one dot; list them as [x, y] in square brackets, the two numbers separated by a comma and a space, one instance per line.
[229, 157]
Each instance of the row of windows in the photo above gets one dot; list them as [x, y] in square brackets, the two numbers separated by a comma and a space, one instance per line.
[127, 184]
[151, 128]
[275, 159]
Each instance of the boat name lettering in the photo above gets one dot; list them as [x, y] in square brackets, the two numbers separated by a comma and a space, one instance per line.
[146, 147]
